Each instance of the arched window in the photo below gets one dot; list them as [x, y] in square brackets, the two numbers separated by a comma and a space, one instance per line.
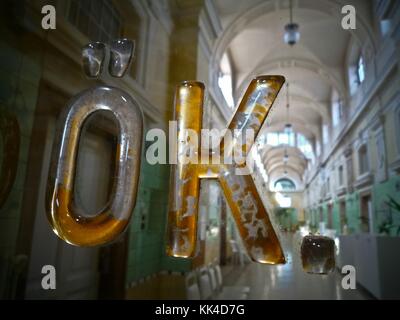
[225, 80]
[284, 184]
[360, 70]
[356, 67]
[325, 134]
[341, 176]
[363, 164]
[337, 109]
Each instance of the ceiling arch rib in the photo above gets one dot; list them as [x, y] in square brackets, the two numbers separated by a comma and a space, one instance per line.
[279, 151]
[314, 67]
[313, 105]
[298, 125]
[301, 107]
[295, 159]
[287, 167]
[297, 128]
[282, 172]
[294, 117]
[295, 155]
[292, 165]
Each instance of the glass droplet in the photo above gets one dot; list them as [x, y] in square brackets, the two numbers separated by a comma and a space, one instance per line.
[318, 254]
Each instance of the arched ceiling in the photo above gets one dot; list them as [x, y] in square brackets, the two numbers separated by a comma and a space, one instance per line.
[314, 67]
[272, 158]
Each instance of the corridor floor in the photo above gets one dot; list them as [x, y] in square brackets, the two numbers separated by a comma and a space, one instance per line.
[289, 281]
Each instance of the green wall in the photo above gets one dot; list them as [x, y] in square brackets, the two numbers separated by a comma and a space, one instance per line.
[288, 220]
[379, 192]
[147, 229]
[336, 216]
[380, 196]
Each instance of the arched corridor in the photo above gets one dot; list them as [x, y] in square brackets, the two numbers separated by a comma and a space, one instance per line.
[326, 158]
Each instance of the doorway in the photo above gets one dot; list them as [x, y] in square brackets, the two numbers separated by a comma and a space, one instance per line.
[343, 218]
[330, 218]
[366, 213]
[321, 214]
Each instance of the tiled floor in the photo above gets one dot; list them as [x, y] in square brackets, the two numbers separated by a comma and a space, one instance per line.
[289, 281]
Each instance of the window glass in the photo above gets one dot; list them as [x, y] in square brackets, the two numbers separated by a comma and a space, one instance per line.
[97, 19]
[272, 139]
[225, 80]
[363, 159]
[360, 70]
[284, 185]
[340, 174]
[325, 134]
[283, 138]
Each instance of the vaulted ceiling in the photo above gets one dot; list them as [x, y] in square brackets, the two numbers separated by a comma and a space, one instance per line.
[253, 39]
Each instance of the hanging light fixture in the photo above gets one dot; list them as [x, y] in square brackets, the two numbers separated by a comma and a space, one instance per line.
[285, 161]
[288, 125]
[285, 157]
[292, 33]
[285, 172]
[288, 128]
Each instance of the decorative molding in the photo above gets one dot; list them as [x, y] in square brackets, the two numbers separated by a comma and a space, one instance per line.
[294, 62]
[364, 180]
[394, 167]
[348, 151]
[204, 44]
[340, 191]
[210, 25]
[161, 11]
[328, 197]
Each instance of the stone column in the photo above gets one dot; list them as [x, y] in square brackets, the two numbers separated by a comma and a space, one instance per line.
[184, 44]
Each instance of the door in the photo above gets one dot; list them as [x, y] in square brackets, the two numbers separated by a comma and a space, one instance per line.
[366, 214]
[330, 218]
[342, 212]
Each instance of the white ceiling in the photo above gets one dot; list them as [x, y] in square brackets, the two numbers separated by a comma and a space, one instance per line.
[313, 67]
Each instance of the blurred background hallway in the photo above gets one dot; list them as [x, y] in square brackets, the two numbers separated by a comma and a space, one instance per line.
[289, 281]
[327, 160]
